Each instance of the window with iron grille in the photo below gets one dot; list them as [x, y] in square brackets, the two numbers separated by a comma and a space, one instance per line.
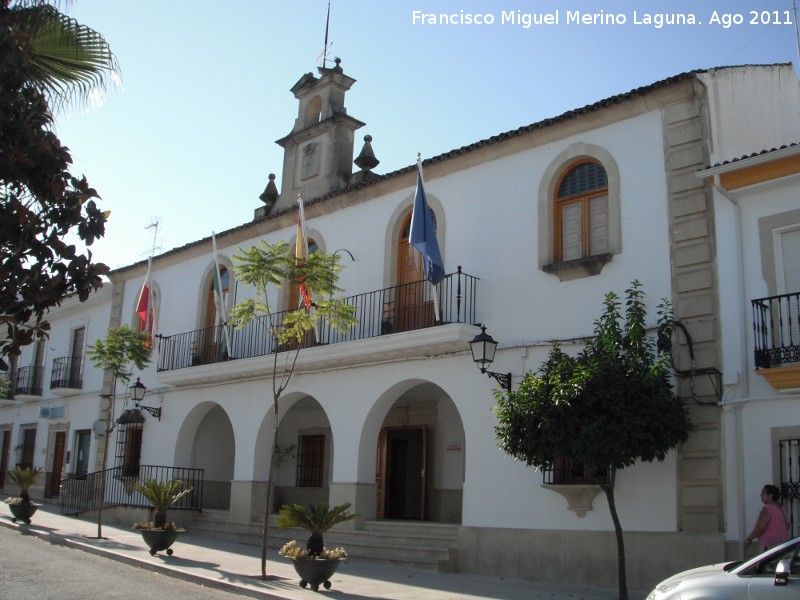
[310, 460]
[129, 449]
[790, 482]
[570, 472]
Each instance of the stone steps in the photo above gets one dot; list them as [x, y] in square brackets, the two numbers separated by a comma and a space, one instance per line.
[412, 544]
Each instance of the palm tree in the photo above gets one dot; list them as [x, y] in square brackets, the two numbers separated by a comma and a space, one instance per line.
[60, 58]
[25, 478]
[316, 520]
[162, 495]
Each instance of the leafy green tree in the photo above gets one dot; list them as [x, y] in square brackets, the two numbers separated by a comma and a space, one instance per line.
[607, 408]
[123, 350]
[267, 267]
[47, 60]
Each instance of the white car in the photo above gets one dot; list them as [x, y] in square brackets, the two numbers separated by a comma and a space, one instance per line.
[772, 575]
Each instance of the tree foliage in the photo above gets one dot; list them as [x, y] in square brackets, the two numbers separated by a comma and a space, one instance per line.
[46, 59]
[267, 267]
[606, 408]
[270, 266]
[122, 350]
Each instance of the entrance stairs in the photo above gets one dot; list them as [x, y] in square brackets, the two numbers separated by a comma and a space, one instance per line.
[420, 545]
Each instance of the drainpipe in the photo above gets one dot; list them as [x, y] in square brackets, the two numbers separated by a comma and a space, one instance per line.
[744, 372]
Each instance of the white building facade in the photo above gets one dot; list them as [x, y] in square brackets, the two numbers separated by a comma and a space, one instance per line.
[535, 227]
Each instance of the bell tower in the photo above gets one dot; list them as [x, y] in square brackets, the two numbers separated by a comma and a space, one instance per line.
[318, 153]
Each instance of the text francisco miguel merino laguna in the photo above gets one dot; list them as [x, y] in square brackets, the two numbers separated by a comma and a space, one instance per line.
[577, 17]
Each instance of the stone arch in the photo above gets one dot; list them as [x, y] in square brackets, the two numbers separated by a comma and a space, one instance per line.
[206, 440]
[416, 404]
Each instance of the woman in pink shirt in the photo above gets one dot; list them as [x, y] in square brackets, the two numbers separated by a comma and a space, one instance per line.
[771, 527]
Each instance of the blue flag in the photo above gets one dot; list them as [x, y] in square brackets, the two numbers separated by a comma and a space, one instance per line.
[423, 237]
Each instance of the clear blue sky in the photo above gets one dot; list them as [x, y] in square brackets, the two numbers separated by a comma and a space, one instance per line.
[188, 136]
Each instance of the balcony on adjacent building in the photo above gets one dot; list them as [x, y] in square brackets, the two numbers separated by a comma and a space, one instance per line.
[407, 309]
[67, 376]
[776, 329]
[29, 381]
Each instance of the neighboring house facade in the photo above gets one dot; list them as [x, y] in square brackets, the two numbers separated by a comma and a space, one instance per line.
[757, 203]
[535, 226]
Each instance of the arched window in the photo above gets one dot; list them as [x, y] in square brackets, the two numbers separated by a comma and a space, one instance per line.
[213, 310]
[411, 306]
[581, 213]
[211, 344]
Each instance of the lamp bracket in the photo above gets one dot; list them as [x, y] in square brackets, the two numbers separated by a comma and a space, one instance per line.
[504, 379]
[156, 412]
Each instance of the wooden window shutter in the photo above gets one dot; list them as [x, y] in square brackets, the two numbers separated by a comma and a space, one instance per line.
[598, 225]
[571, 231]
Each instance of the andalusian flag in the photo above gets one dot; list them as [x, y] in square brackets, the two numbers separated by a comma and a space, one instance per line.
[301, 252]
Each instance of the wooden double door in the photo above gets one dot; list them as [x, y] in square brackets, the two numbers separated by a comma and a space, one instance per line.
[401, 476]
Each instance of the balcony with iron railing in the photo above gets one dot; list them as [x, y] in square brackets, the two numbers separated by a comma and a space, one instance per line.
[410, 310]
[67, 375]
[776, 331]
[29, 381]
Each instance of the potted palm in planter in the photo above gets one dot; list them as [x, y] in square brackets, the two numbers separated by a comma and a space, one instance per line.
[315, 564]
[21, 506]
[160, 534]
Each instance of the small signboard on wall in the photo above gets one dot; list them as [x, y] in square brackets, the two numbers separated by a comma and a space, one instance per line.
[52, 412]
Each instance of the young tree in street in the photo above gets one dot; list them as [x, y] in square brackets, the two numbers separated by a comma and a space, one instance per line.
[607, 408]
[267, 267]
[47, 60]
[122, 351]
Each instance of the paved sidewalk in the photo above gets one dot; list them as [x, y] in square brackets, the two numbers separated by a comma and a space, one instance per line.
[237, 568]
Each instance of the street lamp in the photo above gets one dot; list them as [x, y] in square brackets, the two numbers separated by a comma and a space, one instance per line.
[483, 347]
[138, 390]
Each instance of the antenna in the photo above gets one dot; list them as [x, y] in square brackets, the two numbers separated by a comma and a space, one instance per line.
[154, 226]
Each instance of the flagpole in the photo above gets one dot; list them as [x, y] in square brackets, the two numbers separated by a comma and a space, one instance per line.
[223, 316]
[431, 287]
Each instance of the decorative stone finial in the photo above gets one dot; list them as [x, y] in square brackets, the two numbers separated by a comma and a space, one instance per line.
[366, 160]
[270, 194]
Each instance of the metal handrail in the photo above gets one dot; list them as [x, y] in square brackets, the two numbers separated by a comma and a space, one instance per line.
[396, 309]
[67, 373]
[81, 493]
[29, 381]
[776, 330]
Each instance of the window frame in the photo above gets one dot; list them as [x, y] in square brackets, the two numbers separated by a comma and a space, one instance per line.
[549, 233]
[310, 473]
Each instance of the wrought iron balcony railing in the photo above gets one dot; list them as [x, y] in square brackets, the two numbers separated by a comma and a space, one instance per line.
[67, 373]
[776, 328]
[390, 310]
[29, 381]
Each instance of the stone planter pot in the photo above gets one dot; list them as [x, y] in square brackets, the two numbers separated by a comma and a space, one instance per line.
[23, 512]
[314, 572]
[159, 540]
